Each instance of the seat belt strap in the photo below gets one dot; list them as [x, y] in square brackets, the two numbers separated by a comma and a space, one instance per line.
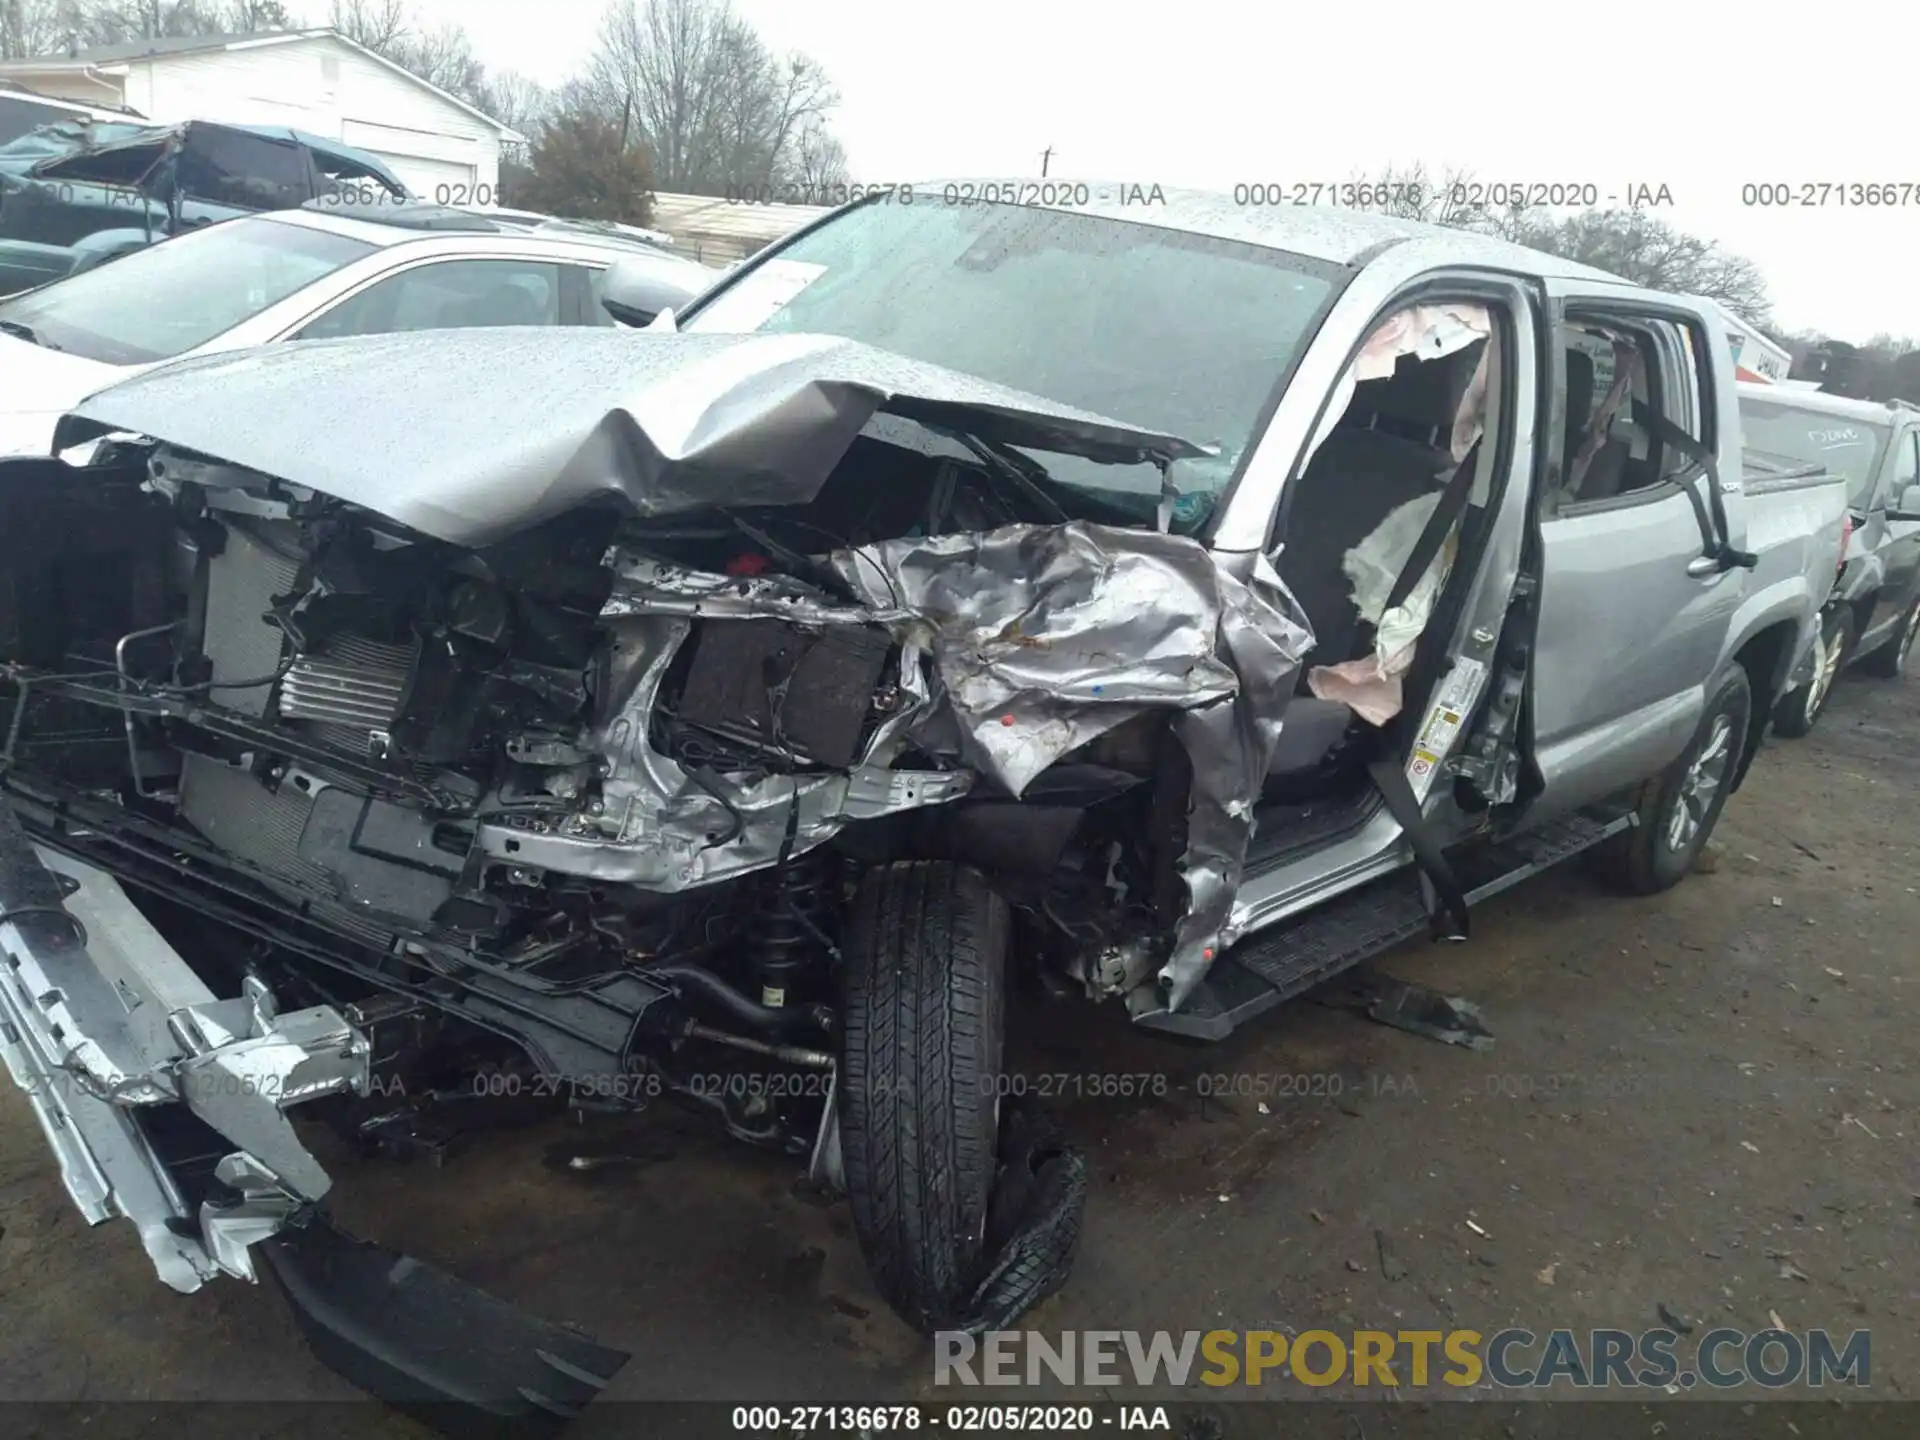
[1446, 513]
[1671, 434]
[1450, 910]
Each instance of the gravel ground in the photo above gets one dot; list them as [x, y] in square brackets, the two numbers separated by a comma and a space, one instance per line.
[1703, 1102]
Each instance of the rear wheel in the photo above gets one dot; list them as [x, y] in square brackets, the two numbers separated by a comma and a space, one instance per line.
[1889, 662]
[1800, 709]
[1678, 809]
[923, 997]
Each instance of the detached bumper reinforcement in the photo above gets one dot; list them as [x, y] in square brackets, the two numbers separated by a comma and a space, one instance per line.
[104, 1025]
[454, 1356]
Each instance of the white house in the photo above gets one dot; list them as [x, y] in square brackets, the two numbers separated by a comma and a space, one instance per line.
[313, 80]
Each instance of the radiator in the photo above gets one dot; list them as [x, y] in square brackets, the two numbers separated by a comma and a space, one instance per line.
[340, 698]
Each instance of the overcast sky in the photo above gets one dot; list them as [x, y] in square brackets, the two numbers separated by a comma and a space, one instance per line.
[1699, 98]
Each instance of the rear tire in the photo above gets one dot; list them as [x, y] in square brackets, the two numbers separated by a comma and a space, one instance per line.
[923, 1005]
[1889, 662]
[1678, 809]
[1800, 710]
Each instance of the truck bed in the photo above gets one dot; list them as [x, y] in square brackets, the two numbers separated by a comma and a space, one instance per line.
[1764, 473]
[1795, 517]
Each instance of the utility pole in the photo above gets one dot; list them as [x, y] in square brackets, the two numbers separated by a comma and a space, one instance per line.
[1045, 156]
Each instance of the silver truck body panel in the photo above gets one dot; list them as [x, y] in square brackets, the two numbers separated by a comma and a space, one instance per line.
[1632, 629]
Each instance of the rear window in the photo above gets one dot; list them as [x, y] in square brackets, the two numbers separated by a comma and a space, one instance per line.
[167, 299]
[1849, 448]
[19, 115]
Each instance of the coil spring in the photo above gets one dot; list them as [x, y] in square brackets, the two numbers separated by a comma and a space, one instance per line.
[792, 931]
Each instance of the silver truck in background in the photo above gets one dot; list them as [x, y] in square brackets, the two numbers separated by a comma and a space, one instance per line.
[1873, 614]
[614, 709]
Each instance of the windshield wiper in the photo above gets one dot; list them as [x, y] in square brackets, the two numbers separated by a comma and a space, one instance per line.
[1027, 475]
[26, 333]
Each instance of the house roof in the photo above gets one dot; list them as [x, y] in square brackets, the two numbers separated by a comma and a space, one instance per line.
[133, 51]
[721, 231]
[168, 45]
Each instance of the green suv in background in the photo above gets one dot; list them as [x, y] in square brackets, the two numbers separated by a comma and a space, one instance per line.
[79, 193]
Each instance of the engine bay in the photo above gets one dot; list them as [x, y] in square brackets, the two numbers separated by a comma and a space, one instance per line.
[599, 789]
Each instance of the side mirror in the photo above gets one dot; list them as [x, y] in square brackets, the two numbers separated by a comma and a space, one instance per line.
[634, 292]
[1907, 507]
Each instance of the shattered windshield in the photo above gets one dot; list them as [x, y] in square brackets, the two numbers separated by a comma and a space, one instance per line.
[1851, 448]
[1181, 333]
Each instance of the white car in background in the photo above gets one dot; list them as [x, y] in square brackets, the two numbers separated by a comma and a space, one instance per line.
[312, 274]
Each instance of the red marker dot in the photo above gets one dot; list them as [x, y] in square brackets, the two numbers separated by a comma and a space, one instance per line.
[1207, 954]
[1006, 719]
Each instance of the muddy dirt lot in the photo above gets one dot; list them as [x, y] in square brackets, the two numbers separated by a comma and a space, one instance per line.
[1704, 1102]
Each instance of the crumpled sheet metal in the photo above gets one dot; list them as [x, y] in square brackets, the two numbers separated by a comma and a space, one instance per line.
[1020, 645]
[666, 828]
[1046, 637]
[471, 435]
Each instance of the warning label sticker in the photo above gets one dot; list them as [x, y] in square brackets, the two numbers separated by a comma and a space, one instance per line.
[1442, 726]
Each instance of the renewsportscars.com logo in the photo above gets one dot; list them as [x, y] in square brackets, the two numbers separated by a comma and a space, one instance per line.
[1513, 1358]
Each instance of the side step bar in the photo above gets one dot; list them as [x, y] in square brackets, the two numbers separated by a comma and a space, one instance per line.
[453, 1356]
[1274, 966]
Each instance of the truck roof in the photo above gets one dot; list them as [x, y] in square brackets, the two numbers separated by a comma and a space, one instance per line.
[1345, 237]
[1873, 412]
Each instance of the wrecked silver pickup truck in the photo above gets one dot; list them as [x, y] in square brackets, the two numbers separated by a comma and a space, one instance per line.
[769, 692]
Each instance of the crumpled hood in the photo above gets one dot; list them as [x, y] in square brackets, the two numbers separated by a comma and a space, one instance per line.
[469, 435]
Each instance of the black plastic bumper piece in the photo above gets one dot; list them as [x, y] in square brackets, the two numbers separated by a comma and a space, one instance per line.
[449, 1354]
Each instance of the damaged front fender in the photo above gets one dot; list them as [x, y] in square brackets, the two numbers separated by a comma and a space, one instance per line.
[1017, 647]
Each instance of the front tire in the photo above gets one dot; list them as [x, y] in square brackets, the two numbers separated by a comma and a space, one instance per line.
[1800, 710]
[1889, 662]
[1678, 809]
[923, 1006]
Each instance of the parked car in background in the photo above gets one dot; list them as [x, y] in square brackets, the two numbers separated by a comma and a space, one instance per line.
[614, 227]
[76, 194]
[1874, 612]
[1186, 600]
[23, 109]
[305, 274]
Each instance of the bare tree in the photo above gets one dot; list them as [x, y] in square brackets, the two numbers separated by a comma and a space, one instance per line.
[520, 104]
[39, 27]
[819, 160]
[441, 56]
[30, 27]
[376, 24]
[1412, 192]
[445, 57]
[249, 17]
[1633, 243]
[1639, 246]
[717, 109]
